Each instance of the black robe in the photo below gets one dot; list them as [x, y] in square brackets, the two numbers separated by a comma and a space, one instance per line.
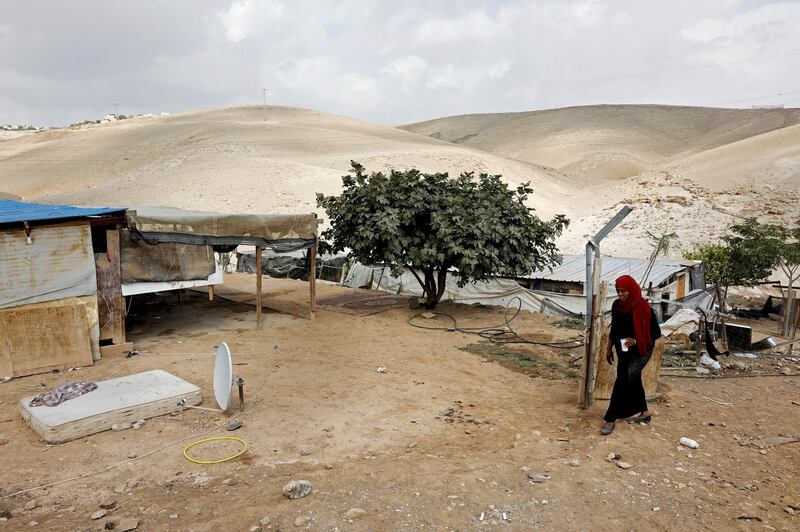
[627, 397]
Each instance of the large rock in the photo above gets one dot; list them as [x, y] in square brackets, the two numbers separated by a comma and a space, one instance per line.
[297, 489]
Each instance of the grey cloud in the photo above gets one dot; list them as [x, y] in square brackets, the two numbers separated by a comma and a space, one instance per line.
[387, 61]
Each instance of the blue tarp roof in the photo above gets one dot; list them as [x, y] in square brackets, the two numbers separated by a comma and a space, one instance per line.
[19, 211]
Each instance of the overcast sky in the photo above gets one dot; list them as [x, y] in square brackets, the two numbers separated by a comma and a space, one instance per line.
[391, 61]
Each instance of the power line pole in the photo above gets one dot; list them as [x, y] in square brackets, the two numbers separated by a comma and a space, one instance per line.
[264, 93]
[116, 110]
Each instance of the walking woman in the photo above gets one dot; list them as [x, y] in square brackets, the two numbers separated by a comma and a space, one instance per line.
[634, 330]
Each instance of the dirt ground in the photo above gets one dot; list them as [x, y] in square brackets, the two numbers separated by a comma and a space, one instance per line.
[445, 439]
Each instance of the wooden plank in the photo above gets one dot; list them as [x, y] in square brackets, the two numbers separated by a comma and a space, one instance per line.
[681, 286]
[312, 277]
[41, 337]
[588, 365]
[597, 336]
[211, 292]
[259, 251]
[111, 303]
[121, 400]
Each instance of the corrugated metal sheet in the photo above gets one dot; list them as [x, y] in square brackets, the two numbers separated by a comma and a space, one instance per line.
[19, 211]
[59, 263]
[573, 269]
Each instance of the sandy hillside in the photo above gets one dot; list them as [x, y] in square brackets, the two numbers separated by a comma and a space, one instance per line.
[231, 160]
[689, 170]
[606, 141]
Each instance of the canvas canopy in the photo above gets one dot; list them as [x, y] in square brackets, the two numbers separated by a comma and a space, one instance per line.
[280, 232]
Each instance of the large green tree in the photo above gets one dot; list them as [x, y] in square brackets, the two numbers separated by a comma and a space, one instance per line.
[430, 223]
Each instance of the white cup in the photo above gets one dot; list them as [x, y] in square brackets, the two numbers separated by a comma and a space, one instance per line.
[624, 346]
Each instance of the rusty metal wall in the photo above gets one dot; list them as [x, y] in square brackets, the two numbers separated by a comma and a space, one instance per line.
[58, 263]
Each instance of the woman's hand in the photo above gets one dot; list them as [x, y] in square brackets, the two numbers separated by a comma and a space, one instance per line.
[610, 356]
[627, 342]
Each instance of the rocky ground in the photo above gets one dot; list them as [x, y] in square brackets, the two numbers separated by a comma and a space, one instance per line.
[444, 438]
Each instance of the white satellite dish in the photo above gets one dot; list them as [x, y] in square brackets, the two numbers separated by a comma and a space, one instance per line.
[223, 377]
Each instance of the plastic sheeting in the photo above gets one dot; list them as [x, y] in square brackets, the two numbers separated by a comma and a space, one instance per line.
[59, 263]
[143, 262]
[495, 291]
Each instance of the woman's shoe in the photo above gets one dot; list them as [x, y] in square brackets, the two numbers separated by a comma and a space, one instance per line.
[640, 419]
[607, 429]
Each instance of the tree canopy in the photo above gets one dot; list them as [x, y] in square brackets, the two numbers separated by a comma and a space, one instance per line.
[748, 254]
[430, 223]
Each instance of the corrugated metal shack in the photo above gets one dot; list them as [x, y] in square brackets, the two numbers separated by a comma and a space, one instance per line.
[57, 296]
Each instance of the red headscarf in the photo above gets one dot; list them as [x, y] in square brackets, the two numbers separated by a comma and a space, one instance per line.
[640, 310]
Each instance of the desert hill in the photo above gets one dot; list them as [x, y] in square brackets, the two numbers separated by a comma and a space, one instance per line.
[692, 171]
[606, 142]
[245, 159]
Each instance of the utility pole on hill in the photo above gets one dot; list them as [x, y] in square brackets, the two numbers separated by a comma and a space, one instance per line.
[264, 93]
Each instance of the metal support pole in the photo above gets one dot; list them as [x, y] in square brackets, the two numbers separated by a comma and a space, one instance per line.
[593, 248]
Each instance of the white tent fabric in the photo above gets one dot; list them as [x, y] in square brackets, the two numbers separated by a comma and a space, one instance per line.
[59, 263]
[495, 291]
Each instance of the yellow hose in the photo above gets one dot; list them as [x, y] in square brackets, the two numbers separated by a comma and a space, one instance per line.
[226, 438]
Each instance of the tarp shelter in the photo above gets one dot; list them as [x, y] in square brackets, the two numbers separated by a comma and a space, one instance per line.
[278, 232]
[562, 299]
[50, 313]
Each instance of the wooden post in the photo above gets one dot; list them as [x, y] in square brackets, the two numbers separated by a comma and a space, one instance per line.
[591, 338]
[794, 327]
[211, 292]
[259, 250]
[312, 276]
[788, 307]
[598, 326]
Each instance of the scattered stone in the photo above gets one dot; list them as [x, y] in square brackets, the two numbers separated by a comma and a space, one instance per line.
[120, 488]
[305, 451]
[745, 517]
[116, 427]
[30, 505]
[624, 465]
[255, 528]
[173, 516]
[538, 478]
[108, 504]
[264, 520]
[127, 524]
[612, 456]
[132, 455]
[302, 521]
[329, 466]
[563, 439]
[110, 525]
[230, 481]
[789, 510]
[355, 513]
[297, 489]
[138, 424]
[702, 371]
[99, 514]
[33, 523]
